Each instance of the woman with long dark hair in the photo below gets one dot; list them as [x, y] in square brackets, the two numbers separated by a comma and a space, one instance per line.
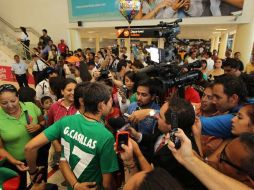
[24, 39]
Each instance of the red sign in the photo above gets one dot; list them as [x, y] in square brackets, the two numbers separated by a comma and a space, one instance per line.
[6, 75]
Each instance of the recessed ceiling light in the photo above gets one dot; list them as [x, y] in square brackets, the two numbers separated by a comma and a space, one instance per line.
[221, 29]
[91, 32]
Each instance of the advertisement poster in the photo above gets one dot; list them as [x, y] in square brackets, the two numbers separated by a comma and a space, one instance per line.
[108, 10]
[6, 75]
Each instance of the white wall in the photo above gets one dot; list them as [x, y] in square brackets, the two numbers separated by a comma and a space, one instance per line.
[38, 14]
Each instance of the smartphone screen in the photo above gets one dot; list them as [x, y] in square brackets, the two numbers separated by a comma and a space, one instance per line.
[122, 138]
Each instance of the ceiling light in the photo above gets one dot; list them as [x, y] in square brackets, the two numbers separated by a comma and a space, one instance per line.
[221, 29]
[91, 32]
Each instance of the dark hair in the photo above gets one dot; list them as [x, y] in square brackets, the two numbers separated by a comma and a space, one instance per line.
[23, 29]
[16, 56]
[27, 94]
[137, 64]
[120, 65]
[247, 163]
[65, 82]
[232, 85]
[93, 94]
[236, 53]
[131, 75]
[232, 63]
[204, 61]
[54, 84]
[84, 73]
[250, 112]
[101, 54]
[150, 83]
[8, 88]
[184, 111]
[44, 98]
[78, 93]
[209, 54]
[159, 179]
[49, 70]
[44, 30]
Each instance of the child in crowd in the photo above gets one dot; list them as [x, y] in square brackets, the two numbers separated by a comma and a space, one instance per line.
[46, 102]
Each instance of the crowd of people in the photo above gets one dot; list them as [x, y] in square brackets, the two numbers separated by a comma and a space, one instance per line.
[82, 99]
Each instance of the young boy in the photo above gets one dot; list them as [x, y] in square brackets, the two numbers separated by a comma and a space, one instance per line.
[46, 102]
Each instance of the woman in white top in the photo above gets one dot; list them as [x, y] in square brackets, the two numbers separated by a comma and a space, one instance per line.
[24, 39]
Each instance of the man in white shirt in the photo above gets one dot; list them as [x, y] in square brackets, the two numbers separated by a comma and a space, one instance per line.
[192, 58]
[19, 69]
[210, 61]
[42, 89]
[38, 67]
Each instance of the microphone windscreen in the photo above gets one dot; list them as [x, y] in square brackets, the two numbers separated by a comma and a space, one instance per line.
[116, 123]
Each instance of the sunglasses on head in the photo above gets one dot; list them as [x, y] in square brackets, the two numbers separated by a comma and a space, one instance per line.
[7, 87]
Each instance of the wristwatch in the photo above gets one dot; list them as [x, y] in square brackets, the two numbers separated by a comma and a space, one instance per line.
[152, 113]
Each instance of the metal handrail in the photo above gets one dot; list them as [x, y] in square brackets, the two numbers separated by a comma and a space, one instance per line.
[31, 52]
[29, 29]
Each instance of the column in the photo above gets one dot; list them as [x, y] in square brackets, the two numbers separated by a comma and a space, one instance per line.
[223, 45]
[149, 41]
[212, 44]
[233, 42]
[119, 45]
[75, 40]
[244, 39]
[97, 44]
[216, 43]
[161, 43]
[127, 44]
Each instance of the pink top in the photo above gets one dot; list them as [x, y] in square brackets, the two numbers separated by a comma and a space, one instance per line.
[57, 111]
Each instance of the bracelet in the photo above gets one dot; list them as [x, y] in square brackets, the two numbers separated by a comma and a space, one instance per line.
[32, 173]
[74, 185]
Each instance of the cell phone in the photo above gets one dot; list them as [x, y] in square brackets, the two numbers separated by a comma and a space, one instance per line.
[175, 139]
[124, 90]
[27, 117]
[126, 117]
[122, 137]
[173, 119]
[174, 126]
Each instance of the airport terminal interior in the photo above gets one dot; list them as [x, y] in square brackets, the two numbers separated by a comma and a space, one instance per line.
[127, 94]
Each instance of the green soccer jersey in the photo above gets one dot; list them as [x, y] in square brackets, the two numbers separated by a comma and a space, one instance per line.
[87, 146]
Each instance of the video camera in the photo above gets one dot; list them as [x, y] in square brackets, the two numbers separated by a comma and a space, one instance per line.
[166, 64]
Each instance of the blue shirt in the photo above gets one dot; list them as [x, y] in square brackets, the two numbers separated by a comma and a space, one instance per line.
[219, 126]
[147, 125]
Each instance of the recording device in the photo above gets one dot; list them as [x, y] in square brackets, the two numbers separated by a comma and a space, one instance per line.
[122, 137]
[174, 126]
[124, 89]
[175, 139]
[120, 123]
[27, 117]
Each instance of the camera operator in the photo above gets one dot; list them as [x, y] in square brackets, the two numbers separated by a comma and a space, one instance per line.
[232, 67]
[210, 177]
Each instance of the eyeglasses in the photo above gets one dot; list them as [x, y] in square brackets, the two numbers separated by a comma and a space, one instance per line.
[7, 87]
[224, 158]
